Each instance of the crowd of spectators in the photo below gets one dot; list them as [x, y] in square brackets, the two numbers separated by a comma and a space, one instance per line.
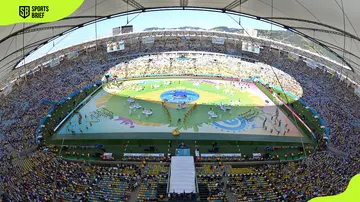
[204, 64]
[333, 99]
[318, 175]
[321, 174]
[42, 177]
[21, 111]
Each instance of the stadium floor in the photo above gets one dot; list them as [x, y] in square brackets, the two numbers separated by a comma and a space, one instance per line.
[108, 112]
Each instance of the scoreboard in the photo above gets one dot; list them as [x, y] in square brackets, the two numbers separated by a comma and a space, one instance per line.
[122, 30]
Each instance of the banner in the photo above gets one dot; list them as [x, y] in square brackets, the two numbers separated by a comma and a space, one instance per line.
[142, 154]
[148, 40]
[311, 63]
[184, 38]
[115, 46]
[72, 54]
[221, 155]
[251, 32]
[7, 90]
[257, 156]
[250, 47]
[91, 47]
[55, 62]
[293, 57]
[218, 40]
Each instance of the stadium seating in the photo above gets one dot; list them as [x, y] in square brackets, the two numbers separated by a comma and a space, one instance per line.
[42, 175]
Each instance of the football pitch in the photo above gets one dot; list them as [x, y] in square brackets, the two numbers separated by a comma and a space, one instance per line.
[199, 109]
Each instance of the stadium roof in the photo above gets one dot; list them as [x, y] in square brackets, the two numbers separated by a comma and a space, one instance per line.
[332, 24]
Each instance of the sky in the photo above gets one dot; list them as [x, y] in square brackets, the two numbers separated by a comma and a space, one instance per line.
[163, 19]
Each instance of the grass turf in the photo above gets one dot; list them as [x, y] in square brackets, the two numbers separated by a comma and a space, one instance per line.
[163, 145]
[197, 118]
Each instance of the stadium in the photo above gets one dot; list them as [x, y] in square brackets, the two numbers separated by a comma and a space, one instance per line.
[179, 114]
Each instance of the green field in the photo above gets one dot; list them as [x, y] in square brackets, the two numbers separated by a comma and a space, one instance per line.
[209, 96]
[213, 97]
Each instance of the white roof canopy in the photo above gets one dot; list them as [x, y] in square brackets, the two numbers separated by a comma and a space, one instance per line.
[335, 23]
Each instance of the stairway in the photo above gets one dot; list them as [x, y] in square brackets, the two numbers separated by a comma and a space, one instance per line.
[161, 190]
[203, 192]
[182, 178]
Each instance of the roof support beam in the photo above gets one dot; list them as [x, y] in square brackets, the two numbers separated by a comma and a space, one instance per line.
[319, 30]
[340, 49]
[142, 9]
[325, 47]
[234, 4]
[134, 4]
[45, 28]
[8, 66]
[17, 32]
[32, 45]
[313, 22]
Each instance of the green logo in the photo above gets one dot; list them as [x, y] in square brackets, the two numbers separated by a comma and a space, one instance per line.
[24, 11]
[36, 11]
